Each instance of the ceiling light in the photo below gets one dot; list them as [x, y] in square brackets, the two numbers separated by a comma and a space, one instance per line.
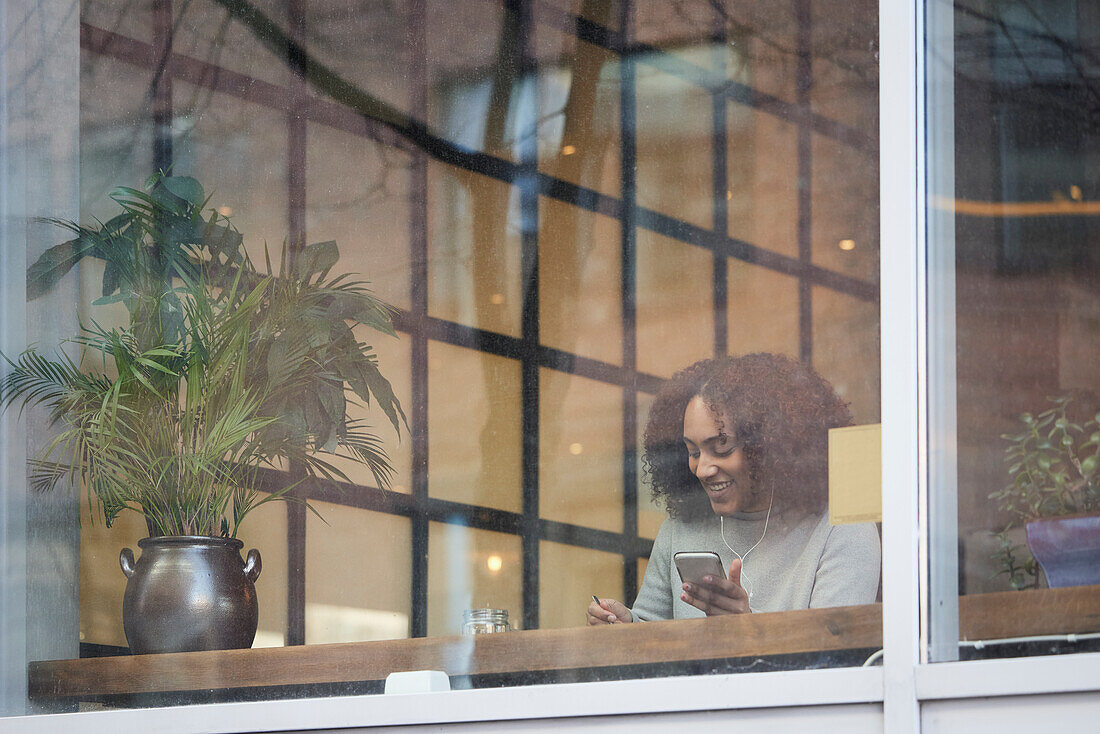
[576, 449]
[568, 149]
[496, 299]
[847, 244]
[494, 563]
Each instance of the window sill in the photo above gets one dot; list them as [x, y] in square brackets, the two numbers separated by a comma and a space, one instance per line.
[142, 680]
[804, 631]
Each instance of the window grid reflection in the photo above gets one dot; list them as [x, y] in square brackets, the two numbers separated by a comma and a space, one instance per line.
[305, 102]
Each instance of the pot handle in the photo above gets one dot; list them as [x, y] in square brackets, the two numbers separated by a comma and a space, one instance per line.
[126, 560]
[252, 565]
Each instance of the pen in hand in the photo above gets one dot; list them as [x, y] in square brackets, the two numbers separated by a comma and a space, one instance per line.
[612, 619]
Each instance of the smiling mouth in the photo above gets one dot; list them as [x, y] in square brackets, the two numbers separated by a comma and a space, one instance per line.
[718, 488]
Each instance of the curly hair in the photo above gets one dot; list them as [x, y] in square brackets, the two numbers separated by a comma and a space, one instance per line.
[780, 411]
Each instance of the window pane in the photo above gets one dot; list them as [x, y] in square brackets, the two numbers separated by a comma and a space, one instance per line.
[474, 455]
[266, 531]
[136, 22]
[359, 197]
[101, 588]
[565, 204]
[845, 222]
[845, 77]
[117, 132]
[675, 304]
[763, 310]
[356, 584]
[569, 576]
[473, 240]
[471, 569]
[846, 350]
[362, 48]
[581, 456]
[675, 140]
[205, 31]
[580, 301]
[650, 513]
[763, 179]
[394, 360]
[1014, 328]
[761, 38]
[606, 14]
[667, 26]
[463, 41]
[579, 96]
[211, 128]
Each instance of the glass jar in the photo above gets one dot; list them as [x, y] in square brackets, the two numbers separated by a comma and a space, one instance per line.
[484, 621]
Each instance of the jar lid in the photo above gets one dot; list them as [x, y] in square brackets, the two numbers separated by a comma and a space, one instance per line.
[485, 615]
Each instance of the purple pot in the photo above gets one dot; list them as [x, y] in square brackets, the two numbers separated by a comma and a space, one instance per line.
[1067, 549]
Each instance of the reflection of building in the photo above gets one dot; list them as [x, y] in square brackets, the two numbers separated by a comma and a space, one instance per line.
[574, 213]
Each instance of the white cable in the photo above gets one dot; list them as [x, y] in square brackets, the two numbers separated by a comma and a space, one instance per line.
[722, 532]
[1071, 638]
[874, 657]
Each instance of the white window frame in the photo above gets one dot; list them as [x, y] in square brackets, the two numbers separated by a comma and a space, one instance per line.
[887, 698]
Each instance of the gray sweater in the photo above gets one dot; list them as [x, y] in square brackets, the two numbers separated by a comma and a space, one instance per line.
[799, 563]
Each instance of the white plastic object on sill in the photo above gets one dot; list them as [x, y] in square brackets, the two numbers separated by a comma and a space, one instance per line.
[418, 681]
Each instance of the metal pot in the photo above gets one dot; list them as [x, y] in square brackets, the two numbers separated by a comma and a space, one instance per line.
[189, 592]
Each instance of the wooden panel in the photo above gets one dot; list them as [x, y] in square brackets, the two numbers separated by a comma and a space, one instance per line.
[628, 644]
[982, 616]
[1035, 612]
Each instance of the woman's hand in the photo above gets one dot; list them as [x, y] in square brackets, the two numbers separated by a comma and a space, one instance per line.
[717, 595]
[608, 611]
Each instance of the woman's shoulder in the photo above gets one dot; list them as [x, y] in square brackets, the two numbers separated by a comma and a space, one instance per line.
[855, 534]
[861, 539]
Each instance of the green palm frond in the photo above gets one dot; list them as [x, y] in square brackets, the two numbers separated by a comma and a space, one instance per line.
[222, 368]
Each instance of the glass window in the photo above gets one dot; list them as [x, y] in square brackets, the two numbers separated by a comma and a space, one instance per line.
[675, 140]
[472, 569]
[580, 281]
[1014, 331]
[762, 310]
[763, 179]
[579, 115]
[560, 205]
[675, 312]
[474, 252]
[580, 439]
[568, 575]
[356, 588]
[475, 449]
[349, 185]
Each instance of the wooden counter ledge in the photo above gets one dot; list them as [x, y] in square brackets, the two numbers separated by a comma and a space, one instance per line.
[985, 616]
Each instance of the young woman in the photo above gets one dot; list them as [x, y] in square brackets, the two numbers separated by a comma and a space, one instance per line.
[737, 451]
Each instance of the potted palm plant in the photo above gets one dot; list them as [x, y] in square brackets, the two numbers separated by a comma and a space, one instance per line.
[1054, 465]
[223, 373]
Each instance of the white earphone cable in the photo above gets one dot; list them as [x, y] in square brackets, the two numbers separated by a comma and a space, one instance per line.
[740, 557]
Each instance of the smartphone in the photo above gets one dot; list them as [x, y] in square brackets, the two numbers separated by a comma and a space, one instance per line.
[694, 565]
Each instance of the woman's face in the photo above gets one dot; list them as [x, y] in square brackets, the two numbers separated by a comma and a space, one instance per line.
[717, 462]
